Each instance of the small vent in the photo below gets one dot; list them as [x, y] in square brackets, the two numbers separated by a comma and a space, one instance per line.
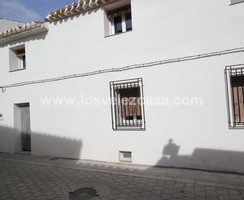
[125, 156]
[1, 117]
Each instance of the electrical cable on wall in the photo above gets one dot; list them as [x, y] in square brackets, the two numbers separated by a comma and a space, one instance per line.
[129, 67]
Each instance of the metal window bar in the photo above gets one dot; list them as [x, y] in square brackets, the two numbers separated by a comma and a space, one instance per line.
[127, 105]
[237, 88]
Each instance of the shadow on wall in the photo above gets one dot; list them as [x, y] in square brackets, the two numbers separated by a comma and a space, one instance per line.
[207, 159]
[44, 144]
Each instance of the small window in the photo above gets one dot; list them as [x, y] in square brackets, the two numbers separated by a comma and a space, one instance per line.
[119, 20]
[235, 1]
[125, 156]
[235, 96]
[127, 105]
[17, 58]
[1, 116]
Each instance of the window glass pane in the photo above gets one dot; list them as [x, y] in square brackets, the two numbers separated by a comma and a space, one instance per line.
[131, 106]
[118, 24]
[128, 22]
[24, 62]
[237, 83]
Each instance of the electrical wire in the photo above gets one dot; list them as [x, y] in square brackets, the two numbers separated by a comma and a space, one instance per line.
[129, 67]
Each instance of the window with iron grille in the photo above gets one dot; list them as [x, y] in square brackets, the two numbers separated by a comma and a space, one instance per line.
[127, 105]
[235, 95]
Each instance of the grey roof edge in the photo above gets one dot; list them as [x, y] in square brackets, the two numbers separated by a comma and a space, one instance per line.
[76, 8]
[20, 32]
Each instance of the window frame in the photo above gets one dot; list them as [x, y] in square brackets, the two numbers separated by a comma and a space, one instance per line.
[126, 124]
[229, 70]
[21, 59]
[121, 12]
[17, 60]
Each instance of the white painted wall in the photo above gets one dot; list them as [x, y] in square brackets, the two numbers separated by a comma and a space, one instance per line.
[161, 30]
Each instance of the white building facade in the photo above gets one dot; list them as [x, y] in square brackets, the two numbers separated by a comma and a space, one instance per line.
[173, 70]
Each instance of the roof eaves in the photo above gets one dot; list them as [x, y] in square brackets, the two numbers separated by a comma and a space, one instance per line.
[76, 8]
[22, 31]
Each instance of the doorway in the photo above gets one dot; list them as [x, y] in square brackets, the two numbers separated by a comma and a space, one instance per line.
[22, 125]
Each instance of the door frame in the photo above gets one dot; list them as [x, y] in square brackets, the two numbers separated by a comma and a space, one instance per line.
[17, 125]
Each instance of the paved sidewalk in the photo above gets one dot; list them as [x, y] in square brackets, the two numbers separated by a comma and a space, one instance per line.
[33, 177]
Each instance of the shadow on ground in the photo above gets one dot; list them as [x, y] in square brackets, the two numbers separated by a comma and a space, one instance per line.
[47, 144]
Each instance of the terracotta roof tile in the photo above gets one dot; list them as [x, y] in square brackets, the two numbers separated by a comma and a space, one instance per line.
[22, 31]
[75, 8]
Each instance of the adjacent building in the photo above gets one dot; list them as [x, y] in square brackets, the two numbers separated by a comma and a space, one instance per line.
[6, 24]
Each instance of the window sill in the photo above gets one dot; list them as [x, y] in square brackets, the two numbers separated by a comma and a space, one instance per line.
[108, 36]
[237, 127]
[129, 129]
[15, 70]
[125, 161]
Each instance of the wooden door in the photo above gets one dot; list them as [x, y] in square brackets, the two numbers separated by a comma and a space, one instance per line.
[25, 128]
